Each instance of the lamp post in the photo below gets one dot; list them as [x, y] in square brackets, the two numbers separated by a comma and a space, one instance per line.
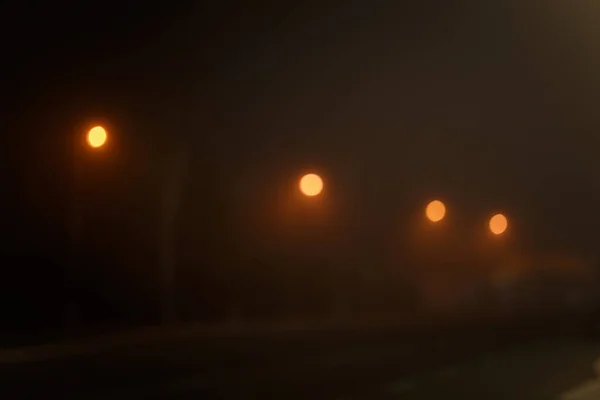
[315, 243]
[172, 193]
[95, 139]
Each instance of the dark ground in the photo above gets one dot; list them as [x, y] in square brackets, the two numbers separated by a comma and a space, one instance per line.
[474, 363]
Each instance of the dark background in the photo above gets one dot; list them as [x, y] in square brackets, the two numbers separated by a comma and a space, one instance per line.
[489, 106]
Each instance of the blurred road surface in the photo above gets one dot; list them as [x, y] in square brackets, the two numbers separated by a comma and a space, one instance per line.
[335, 365]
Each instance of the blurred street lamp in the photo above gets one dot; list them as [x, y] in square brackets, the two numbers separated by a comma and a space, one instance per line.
[311, 185]
[498, 224]
[435, 211]
[97, 137]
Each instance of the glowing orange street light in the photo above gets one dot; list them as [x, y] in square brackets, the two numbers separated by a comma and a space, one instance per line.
[97, 137]
[435, 211]
[311, 185]
[498, 224]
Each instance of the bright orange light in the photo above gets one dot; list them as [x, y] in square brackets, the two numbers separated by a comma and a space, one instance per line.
[498, 224]
[311, 184]
[435, 211]
[96, 137]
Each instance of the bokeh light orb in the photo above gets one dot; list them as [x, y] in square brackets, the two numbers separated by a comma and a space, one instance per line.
[97, 137]
[498, 224]
[311, 185]
[435, 211]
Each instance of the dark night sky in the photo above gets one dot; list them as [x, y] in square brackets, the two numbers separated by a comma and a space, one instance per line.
[488, 105]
